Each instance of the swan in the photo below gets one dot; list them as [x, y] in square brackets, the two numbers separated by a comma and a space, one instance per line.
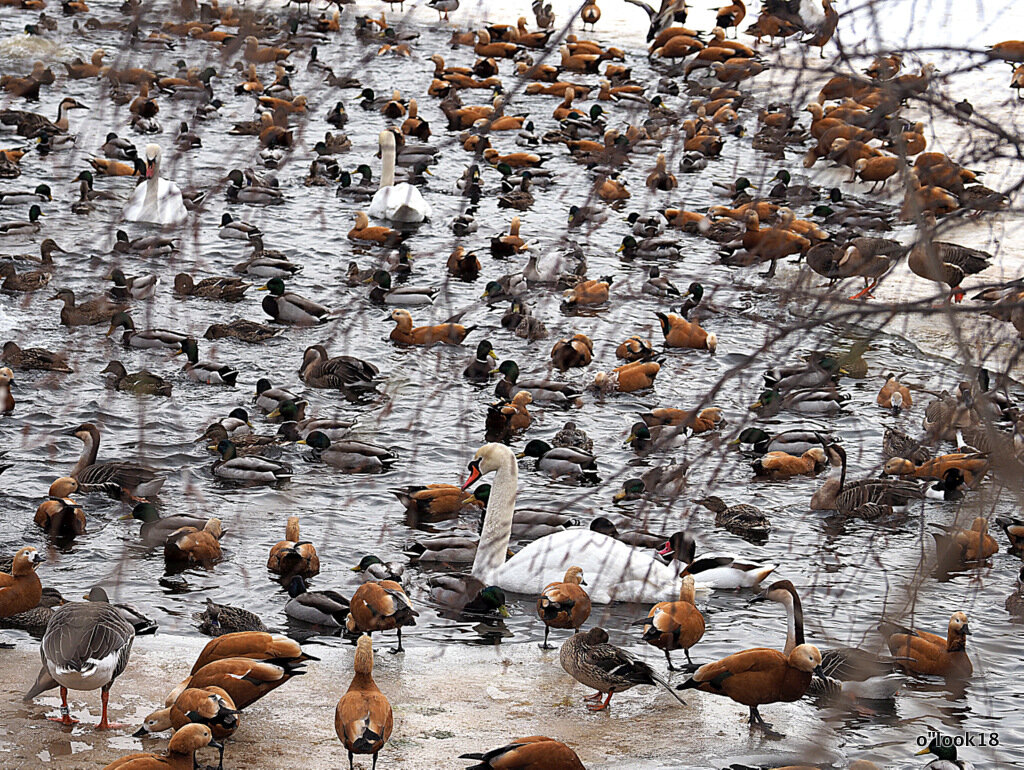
[615, 571]
[156, 200]
[397, 202]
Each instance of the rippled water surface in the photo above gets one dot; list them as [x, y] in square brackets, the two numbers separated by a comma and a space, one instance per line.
[434, 418]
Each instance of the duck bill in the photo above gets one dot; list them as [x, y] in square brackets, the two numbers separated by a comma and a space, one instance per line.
[503, 611]
[666, 550]
[619, 496]
[142, 732]
[493, 355]
[126, 517]
[925, 750]
[474, 475]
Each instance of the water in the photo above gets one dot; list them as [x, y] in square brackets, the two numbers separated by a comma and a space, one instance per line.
[847, 575]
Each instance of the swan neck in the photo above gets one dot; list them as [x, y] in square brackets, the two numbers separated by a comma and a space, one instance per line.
[387, 172]
[501, 505]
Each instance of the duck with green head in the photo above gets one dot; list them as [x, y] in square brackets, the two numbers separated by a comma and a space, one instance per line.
[205, 371]
[23, 227]
[250, 468]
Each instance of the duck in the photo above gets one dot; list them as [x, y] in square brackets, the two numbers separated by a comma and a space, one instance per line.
[853, 671]
[628, 378]
[462, 264]
[926, 653]
[759, 676]
[506, 419]
[536, 751]
[467, 595]
[255, 645]
[191, 545]
[564, 604]
[34, 620]
[795, 441]
[116, 478]
[209, 706]
[40, 194]
[972, 465]
[780, 466]
[379, 569]
[1014, 602]
[156, 530]
[572, 436]
[383, 294]
[205, 371]
[659, 285]
[723, 571]
[479, 369]
[894, 395]
[147, 338]
[240, 329]
[742, 520]
[560, 461]
[356, 456]
[666, 481]
[680, 333]
[363, 718]
[181, 751]
[34, 358]
[156, 201]
[947, 757]
[59, 515]
[236, 229]
[139, 383]
[322, 608]
[21, 590]
[245, 680]
[268, 398]
[615, 571]
[380, 605]
[542, 391]
[214, 287]
[27, 281]
[147, 245]
[635, 348]
[575, 351]
[90, 313]
[136, 287]
[320, 370]
[405, 333]
[958, 546]
[819, 400]
[396, 202]
[896, 443]
[288, 307]
[676, 625]
[379, 235]
[225, 620]
[261, 470]
[591, 660]
[588, 292]
[31, 125]
[86, 647]
[456, 548]
[293, 556]
[528, 524]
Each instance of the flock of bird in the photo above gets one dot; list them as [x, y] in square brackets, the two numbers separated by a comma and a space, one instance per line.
[855, 123]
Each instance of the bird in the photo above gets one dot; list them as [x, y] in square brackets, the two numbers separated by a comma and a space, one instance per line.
[181, 751]
[925, 653]
[380, 605]
[86, 647]
[947, 756]
[535, 751]
[715, 570]
[20, 590]
[564, 604]
[589, 659]
[293, 556]
[363, 718]
[396, 202]
[674, 625]
[759, 676]
[156, 201]
[117, 478]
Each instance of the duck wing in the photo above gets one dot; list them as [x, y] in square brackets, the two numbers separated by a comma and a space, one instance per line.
[113, 477]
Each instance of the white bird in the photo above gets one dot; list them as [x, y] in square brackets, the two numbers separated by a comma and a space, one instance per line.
[156, 201]
[397, 202]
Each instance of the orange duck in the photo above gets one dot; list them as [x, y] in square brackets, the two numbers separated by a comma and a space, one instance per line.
[926, 653]
[60, 515]
[405, 334]
[363, 718]
[293, 556]
[21, 590]
[564, 604]
[680, 333]
[674, 625]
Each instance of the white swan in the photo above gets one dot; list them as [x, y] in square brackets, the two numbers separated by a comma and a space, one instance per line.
[397, 202]
[615, 571]
[156, 201]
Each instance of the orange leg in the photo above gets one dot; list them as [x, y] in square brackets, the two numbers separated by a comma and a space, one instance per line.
[65, 717]
[104, 724]
[600, 707]
[866, 291]
[595, 696]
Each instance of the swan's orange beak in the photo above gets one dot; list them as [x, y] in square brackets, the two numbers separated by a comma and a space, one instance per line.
[150, 168]
[474, 474]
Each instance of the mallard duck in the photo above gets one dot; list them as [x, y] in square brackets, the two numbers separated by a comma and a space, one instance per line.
[362, 718]
[191, 545]
[266, 263]
[155, 530]
[137, 287]
[237, 229]
[825, 400]
[91, 312]
[147, 338]
[86, 646]
[759, 676]
[288, 307]
[467, 595]
[319, 370]
[380, 606]
[268, 398]
[33, 358]
[116, 478]
[383, 294]
[574, 437]
[564, 604]
[18, 197]
[379, 569]
[479, 369]
[560, 461]
[223, 619]
[241, 329]
[204, 371]
[141, 383]
[926, 653]
[355, 456]
[218, 287]
[293, 556]
[542, 391]
[519, 321]
[260, 470]
[592, 661]
[28, 281]
[361, 190]
[666, 481]
[238, 192]
[148, 245]
[947, 757]
[795, 441]
[742, 520]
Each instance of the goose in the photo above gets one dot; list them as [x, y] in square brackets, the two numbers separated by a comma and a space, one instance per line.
[615, 571]
[866, 498]
[396, 202]
[156, 201]
[116, 478]
[853, 671]
[86, 646]
[140, 622]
